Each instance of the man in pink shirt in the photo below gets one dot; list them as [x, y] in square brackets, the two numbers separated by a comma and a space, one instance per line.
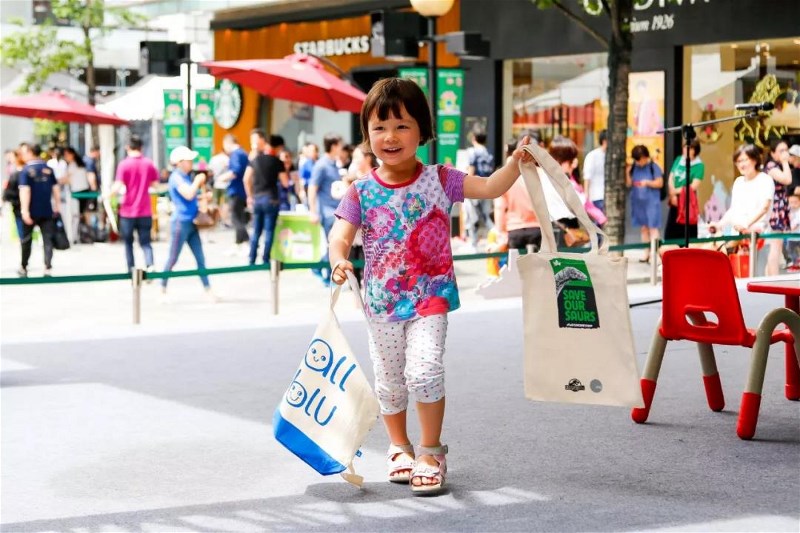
[136, 173]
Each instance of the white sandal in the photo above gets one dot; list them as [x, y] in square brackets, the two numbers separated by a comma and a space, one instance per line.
[400, 462]
[423, 470]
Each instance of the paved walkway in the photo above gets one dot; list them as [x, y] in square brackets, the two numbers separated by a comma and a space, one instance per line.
[169, 431]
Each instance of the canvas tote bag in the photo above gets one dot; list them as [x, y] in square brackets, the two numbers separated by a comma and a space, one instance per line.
[577, 328]
[330, 407]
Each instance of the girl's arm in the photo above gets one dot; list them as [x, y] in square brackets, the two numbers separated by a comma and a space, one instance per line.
[500, 216]
[782, 174]
[501, 179]
[339, 242]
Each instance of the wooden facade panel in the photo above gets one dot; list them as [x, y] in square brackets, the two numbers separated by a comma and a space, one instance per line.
[277, 41]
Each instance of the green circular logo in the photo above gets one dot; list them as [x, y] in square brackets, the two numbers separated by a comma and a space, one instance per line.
[227, 103]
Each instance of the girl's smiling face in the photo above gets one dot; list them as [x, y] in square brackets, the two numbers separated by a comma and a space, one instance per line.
[394, 140]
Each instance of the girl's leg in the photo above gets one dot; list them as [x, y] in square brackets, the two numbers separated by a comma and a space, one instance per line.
[646, 238]
[774, 258]
[425, 338]
[431, 416]
[387, 346]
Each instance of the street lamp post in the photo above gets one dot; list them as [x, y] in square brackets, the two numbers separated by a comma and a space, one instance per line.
[431, 9]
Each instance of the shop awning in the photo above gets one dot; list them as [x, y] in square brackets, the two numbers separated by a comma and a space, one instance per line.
[708, 76]
[145, 100]
[578, 91]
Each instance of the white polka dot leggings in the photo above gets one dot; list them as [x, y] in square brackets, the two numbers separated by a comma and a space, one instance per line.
[407, 357]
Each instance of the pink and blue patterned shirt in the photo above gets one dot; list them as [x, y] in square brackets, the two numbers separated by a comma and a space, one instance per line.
[408, 269]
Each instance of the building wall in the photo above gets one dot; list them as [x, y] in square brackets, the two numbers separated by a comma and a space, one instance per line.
[520, 30]
[279, 40]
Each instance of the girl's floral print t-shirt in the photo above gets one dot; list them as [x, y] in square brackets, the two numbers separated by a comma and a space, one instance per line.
[406, 230]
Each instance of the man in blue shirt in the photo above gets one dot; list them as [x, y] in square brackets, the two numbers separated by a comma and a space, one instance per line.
[321, 203]
[39, 199]
[310, 155]
[234, 177]
[183, 192]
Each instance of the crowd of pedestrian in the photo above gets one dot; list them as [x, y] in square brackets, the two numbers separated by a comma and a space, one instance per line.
[246, 190]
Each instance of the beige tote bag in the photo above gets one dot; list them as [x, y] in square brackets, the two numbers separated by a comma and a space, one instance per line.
[578, 339]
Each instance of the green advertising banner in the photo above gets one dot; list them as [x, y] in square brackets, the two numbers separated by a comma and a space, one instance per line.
[174, 120]
[450, 89]
[420, 77]
[203, 125]
[450, 95]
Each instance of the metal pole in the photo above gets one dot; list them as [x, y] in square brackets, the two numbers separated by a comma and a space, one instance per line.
[432, 84]
[137, 275]
[274, 277]
[189, 103]
[653, 261]
[753, 254]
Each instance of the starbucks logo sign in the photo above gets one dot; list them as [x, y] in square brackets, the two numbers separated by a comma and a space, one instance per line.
[227, 103]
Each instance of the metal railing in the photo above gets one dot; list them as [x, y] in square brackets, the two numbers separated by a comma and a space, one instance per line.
[138, 275]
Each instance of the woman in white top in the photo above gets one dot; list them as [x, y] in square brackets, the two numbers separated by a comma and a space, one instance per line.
[80, 180]
[751, 197]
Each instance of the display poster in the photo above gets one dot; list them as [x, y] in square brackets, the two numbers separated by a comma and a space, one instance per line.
[450, 97]
[174, 120]
[646, 115]
[203, 125]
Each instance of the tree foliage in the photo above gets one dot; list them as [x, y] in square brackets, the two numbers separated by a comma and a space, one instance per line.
[38, 51]
[619, 44]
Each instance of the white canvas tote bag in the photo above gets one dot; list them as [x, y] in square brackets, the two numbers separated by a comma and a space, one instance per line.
[578, 339]
[330, 407]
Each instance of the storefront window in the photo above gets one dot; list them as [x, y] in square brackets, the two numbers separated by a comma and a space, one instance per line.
[565, 95]
[718, 77]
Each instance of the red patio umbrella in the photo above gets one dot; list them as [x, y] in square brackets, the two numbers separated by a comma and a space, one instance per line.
[56, 106]
[297, 77]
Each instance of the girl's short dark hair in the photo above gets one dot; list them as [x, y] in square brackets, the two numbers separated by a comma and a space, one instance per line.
[563, 149]
[639, 151]
[751, 151]
[388, 96]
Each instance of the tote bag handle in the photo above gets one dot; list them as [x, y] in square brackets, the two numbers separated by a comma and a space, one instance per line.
[564, 189]
[352, 282]
[350, 474]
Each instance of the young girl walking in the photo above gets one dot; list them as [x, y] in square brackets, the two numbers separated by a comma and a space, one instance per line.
[403, 211]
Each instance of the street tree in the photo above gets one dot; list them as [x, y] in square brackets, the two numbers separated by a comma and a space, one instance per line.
[39, 51]
[619, 44]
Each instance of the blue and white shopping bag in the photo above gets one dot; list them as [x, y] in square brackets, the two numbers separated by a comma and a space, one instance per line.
[330, 407]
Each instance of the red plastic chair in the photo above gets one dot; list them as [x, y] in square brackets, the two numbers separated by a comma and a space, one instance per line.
[701, 304]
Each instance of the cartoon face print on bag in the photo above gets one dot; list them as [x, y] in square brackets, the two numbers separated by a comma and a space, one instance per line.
[319, 356]
[297, 394]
